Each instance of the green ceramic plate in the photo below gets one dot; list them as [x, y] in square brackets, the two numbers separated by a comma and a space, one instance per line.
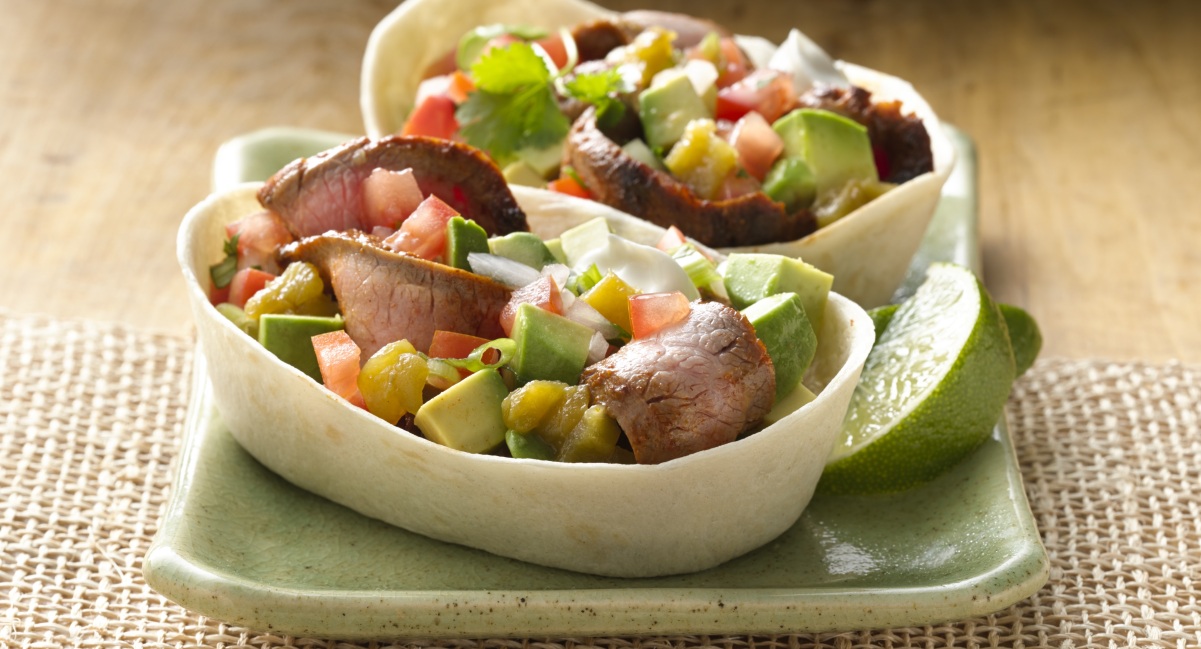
[240, 544]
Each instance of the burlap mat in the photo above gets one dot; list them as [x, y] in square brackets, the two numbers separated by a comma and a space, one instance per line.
[90, 417]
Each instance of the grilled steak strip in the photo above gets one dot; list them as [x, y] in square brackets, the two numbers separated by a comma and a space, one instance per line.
[689, 387]
[386, 296]
[620, 181]
[325, 192]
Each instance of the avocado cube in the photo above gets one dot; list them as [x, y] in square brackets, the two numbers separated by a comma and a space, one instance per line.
[545, 161]
[583, 238]
[750, 277]
[638, 150]
[463, 237]
[667, 108]
[520, 173]
[789, 404]
[790, 181]
[837, 149]
[290, 337]
[466, 416]
[549, 346]
[528, 446]
[524, 247]
[780, 322]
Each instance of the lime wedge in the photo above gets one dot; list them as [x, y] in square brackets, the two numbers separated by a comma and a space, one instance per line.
[1024, 336]
[931, 391]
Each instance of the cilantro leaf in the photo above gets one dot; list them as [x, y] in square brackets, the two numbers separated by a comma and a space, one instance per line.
[600, 89]
[222, 273]
[513, 106]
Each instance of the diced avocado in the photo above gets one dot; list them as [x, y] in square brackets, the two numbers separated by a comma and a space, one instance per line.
[528, 445]
[520, 173]
[237, 316]
[463, 237]
[549, 346]
[780, 322]
[638, 150]
[666, 109]
[701, 158]
[790, 181]
[545, 161]
[290, 337]
[849, 198]
[578, 241]
[466, 416]
[789, 404]
[750, 277]
[524, 247]
[555, 246]
[836, 149]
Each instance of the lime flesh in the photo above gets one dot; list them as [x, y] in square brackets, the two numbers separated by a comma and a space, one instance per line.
[931, 391]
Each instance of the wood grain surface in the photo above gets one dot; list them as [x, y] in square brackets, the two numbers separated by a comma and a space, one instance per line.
[1084, 112]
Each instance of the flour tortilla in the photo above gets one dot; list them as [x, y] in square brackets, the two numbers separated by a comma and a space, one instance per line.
[629, 521]
[868, 251]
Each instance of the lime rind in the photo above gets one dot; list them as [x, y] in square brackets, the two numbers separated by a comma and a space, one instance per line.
[893, 440]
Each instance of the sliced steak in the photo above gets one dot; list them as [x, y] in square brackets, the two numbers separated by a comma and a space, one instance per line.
[386, 296]
[325, 192]
[689, 387]
[903, 138]
[689, 30]
[620, 181]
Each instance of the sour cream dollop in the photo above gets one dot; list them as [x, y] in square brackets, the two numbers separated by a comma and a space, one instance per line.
[645, 268]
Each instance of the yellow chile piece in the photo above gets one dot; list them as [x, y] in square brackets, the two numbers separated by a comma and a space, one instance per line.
[701, 159]
[392, 381]
[592, 439]
[653, 51]
[611, 297]
[291, 292]
[560, 416]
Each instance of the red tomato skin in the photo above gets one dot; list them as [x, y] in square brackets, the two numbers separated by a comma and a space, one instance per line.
[218, 295]
[650, 312]
[338, 359]
[555, 49]
[568, 185]
[389, 197]
[673, 238]
[245, 284]
[543, 293]
[757, 144]
[423, 234]
[259, 235]
[767, 92]
[451, 344]
[460, 86]
[433, 117]
[735, 66]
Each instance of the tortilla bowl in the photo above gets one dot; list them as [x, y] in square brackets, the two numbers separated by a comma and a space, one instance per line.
[618, 520]
[867, 251]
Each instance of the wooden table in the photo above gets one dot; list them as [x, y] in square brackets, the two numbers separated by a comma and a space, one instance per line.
[1084, 111]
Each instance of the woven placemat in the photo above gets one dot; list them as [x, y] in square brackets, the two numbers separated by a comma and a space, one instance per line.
[90, 418]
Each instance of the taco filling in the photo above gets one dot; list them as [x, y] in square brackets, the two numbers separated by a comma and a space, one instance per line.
[416, 293]
[665, 117]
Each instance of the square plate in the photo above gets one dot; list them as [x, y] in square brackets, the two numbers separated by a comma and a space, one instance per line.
[242, 545]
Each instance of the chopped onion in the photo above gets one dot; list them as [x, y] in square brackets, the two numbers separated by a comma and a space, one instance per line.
[598, 348]
[583, 313]
[513, 274]
[557, 272]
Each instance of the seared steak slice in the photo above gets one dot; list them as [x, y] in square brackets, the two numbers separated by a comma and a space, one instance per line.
[689, 30]
[620, 181]
[386, 296]
[689, 387]
[325, 192]
[903, 138]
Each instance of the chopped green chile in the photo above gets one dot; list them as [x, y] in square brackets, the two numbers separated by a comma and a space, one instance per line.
[488, 356]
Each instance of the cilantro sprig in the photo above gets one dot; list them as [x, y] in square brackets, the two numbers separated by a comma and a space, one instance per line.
[601, 89]
[222, 272]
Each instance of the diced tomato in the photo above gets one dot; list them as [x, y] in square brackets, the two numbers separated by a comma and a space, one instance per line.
[650, 312]
[737, 185]
[423, 234]
[218, 295]
[338, 359]
[450, 344]
[259, 235]
[543, 293]
[389, 197]
[555, 49]
[459, 87]
[767, 92]
[433, 117]
[570, 186]
[246, 283]
[671, 239]
[757, 144]
[734, 64]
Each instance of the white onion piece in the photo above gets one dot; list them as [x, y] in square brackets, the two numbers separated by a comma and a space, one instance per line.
[557, 272]
[598, 347]
[513, 274]
[807, 62]
[583, 313]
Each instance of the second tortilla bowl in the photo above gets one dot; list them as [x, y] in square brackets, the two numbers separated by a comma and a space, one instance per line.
[868, 251]
[681, 516]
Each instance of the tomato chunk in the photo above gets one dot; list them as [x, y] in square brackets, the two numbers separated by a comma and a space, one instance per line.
[459, 87]
[259, 235]
[733, 66]
[423, 234]
[338, 360]
[671, 239]
[570, 186]
[555, 49]
[246, 283]
[767, 92]
[433, 117]
[543, 293]
[389, 197]
[450, 344]
[757, 144]
[650, 312]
